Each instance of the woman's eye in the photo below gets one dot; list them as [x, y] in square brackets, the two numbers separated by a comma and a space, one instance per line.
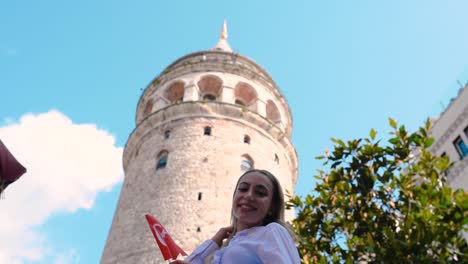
[242, 189]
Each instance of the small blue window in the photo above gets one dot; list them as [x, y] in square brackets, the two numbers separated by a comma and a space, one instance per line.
[461, 147]
[162, 160]
[246, 164]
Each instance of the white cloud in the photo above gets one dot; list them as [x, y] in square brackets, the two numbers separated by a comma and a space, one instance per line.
[67, 163]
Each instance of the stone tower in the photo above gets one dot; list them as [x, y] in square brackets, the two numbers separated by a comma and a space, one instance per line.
[206, 118]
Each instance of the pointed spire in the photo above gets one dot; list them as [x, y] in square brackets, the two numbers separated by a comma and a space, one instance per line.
[222, 44]
[224, 32]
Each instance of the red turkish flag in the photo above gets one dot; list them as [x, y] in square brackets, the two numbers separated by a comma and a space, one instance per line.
[10, 168]
[169, 249]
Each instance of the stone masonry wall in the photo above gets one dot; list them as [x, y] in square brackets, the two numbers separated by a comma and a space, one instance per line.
[197, 163]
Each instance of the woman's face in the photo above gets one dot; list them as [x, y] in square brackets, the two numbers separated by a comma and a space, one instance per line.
[252, 200]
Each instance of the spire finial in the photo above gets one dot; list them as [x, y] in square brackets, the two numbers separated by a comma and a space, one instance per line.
[222, 44]
[224, 33]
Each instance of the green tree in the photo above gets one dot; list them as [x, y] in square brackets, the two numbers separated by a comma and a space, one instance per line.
[382, 203]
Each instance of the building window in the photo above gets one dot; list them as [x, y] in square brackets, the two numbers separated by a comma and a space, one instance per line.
[444, 155]
[246, 164]
[162, 160]
[199, 196]
[276, 158]
[461, 147]
[209, 97]
[245, 95]
[211, 87]
[167, 134]
[148, 107]
[175, 92]
[239, 102]
[207, 131]
[246, 139]
[272, 112]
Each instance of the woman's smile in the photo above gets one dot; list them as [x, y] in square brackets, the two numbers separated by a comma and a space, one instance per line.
[252, 200]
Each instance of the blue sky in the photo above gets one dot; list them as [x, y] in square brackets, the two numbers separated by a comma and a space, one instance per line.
[71, 73]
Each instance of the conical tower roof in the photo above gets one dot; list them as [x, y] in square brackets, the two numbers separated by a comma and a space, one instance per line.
[222, 44]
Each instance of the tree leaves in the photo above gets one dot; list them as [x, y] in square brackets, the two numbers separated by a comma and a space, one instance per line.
[372, 134]
[392, 122]
[385, 203]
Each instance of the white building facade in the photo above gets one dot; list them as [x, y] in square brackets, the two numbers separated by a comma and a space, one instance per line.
[450, 131]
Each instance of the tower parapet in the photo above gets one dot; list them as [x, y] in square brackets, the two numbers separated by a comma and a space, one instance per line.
[223, 66]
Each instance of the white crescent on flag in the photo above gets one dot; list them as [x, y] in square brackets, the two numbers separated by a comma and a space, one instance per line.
[160, 233]
[169, 249]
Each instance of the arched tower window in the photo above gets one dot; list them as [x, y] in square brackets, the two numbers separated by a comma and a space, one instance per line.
[246, 163]
[209, 97]
[148, 107]
[244, 94]
[162, 159]
[246, 139]
[210, 87]
[272, 112]
[239, 102]
[175, 92]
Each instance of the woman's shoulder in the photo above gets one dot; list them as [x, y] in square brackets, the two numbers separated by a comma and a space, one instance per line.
[276, 226]
[271, 231]
[277, 229]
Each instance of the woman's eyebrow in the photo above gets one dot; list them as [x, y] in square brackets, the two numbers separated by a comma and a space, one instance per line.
[263, 187]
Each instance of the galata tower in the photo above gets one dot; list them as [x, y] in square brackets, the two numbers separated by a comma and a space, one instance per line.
[204, 120]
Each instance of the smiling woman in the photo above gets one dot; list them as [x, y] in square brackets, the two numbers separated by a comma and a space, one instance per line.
[257, 233]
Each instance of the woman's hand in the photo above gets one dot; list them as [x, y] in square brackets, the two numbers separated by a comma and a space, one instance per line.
[222, 234]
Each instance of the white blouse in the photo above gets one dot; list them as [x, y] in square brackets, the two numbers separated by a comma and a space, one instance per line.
[261, 244]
